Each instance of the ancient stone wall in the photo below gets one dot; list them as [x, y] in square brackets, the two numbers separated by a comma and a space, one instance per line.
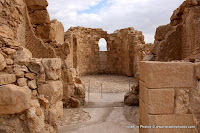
[122, 50]
[169, 96]
[31, 99]
[179, 39]
[44, 28]
[50, 34]
[27, 38]
[31, 92]
[84, 48]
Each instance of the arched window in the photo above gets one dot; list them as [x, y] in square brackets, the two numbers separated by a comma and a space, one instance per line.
[102, 45]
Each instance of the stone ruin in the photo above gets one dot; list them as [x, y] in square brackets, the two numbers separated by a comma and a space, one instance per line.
[179, 40]
[40, 66]
[169, 90]
[125, 50]
[36, 80]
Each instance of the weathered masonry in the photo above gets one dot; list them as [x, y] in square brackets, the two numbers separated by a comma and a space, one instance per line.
[124, 50]
[169, 96]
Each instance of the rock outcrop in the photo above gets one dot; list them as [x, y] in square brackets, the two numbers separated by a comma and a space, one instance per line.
[131, 98]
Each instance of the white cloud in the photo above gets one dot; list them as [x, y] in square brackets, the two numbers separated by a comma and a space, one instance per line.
[143, 15]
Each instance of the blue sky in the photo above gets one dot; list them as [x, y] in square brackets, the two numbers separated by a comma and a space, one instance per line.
[143, 15]
[95, 8]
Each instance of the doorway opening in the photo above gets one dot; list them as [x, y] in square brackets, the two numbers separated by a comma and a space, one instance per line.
[102, 45]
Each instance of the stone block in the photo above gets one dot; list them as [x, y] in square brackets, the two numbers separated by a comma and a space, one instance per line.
[9, 51]
[9, 61]
[42, 31]
[35, 67]
[30, 76]
[22, 82]
[183, 101]
[55, 112]
[6, 31]
[171, 120]
[7, 79]
[59, 108]
[52, 91]
[143, 91]
[36, 4]
[2, 62]
[157, 101]
[22, 55]
[57, 32]
[11, 125]
[160, 101]
[41, 78]
[52, 68]
[14, 99]
[39, 17]
[32, 84]
[142, 71]
[197, 70]
[167, 74]
[19, 74]
[143, 116]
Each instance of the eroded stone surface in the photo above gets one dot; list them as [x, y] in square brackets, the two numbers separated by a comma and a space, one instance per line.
[52, 68]
[53, 91]
[179, 39]
[2, 62]
[7, 79]
[14, 99]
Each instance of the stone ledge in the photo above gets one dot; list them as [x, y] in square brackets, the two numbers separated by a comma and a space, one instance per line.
[167, 74]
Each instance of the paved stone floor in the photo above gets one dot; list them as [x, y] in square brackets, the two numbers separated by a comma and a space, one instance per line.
[104, 113]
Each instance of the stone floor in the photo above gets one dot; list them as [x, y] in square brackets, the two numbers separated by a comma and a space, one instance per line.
[104, 113]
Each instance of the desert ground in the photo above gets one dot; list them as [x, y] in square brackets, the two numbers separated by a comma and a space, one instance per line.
[113, 115]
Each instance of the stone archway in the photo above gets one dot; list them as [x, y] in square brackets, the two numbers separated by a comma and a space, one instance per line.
[103, 45]
[102, 55]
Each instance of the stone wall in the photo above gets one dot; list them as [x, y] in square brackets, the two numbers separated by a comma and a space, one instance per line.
[31, 89]
[122, 51]
[84, 48]
[169, 96]
[31, 93]
[26, 35]
[103, 61]
[50, 34]
[179, 39]
[45, 29]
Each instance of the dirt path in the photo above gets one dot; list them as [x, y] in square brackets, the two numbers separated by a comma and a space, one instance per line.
[104, 113]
